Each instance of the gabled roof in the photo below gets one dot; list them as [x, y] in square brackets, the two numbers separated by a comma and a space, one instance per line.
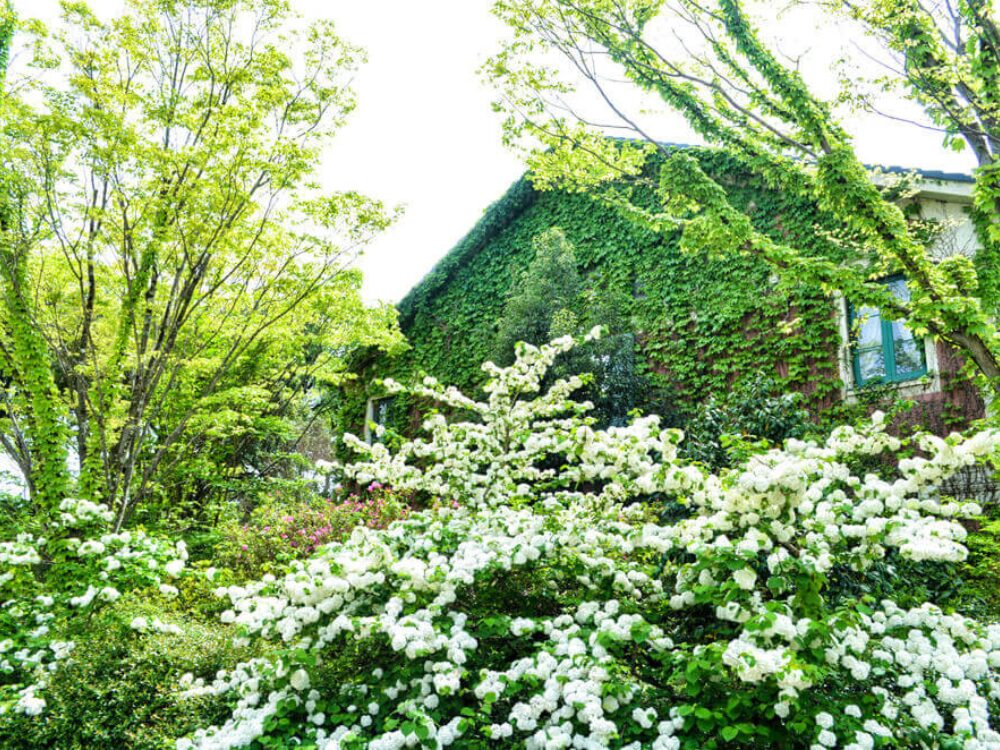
[497, 217]
[500, 214]
[927, 174]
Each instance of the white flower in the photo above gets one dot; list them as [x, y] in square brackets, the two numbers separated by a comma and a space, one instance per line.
[299, 680]
[174, 568]
[745, 578]
[546, 504]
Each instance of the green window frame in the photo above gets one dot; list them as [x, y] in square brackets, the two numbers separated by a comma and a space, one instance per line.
[884, 351]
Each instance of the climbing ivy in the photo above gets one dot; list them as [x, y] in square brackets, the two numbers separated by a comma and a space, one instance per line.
[25, 354]
[701, 322]
[6, 33]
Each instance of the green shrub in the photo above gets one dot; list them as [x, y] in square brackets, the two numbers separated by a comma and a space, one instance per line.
[119, 688]
[980, 573]
[753, 416]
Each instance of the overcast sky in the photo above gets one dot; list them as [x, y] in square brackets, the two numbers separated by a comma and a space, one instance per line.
[424, 135]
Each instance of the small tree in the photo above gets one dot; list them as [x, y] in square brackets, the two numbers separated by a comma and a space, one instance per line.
[543, 303]
[549, 300]
[708, 62]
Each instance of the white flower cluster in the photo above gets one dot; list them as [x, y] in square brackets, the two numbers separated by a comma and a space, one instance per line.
[104, 565]
[156, 625]
[547, 610]
[76, 512]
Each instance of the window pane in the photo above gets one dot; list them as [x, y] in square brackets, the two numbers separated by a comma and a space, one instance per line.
[909, 355]
[380, 413]
[900, 332]
[871, 363]
[869, 327]
[899, 289]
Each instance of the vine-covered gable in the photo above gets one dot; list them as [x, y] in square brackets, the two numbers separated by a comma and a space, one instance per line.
[701, 322]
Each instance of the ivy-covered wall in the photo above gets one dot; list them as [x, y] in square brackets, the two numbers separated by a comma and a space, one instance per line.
[700, 322]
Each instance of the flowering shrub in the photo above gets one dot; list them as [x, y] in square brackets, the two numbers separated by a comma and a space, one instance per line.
[117, 687]
[550, 611]
[278, 533]
[50, 582]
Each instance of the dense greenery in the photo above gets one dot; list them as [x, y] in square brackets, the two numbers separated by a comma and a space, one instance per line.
[726, 428]
[549, 300]
[119, 689]
[701, 320]
[525, 560]
[946, 57]
[738, 92]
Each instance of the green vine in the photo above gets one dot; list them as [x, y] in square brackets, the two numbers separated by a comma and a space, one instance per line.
[24, 348]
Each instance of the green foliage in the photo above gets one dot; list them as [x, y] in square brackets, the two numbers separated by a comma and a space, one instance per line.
[753, 416]
[738, 93]
[947, 59]
[119, 687]
[542, 302]
[176, 290]
[7, 19]
[549, 300]
[700, 319]
[978, 581]
[43, 440]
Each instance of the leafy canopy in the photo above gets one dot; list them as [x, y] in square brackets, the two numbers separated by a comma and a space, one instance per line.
[177, 287]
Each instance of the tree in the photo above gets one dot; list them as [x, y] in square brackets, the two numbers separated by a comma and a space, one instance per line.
[38, 442]
[946, 57]
[738, 93]
[548, 609]
[6, 33]
[542, 305]
[550, 299]
[173, 280]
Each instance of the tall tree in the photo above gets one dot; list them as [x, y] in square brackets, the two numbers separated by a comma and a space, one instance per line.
[6, 33]
[172, 275]
[707, 61]
[946, 57]
[38, 440]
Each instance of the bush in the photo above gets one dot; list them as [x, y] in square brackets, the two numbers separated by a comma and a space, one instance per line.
[56, 575]
[548, 611]
[119, 688]
[751, 418]
[278, 532]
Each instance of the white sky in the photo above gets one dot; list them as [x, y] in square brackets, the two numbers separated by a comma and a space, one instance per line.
[424, 135]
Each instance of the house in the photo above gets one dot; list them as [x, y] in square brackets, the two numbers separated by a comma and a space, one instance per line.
[698, 323]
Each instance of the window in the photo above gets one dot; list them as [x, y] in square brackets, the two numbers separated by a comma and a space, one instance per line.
[884, 351]
[377, 415]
